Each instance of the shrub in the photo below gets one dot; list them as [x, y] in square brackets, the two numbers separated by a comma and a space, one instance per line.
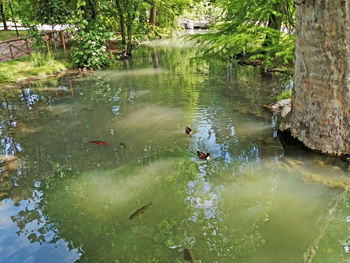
[89, 48]
[37, 38]
[40, 59]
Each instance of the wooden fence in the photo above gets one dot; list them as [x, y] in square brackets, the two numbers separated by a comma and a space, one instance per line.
[15, 48]
[57, 38]
[19, 47]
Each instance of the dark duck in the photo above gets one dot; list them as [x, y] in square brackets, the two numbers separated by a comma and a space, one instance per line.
[189, 130]
[203, 156]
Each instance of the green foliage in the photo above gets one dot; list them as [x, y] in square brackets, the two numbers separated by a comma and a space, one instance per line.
[202, 10]
[41, 59]
[25, 10]
[52, 12]
[90, 43]
[37, 38]
[286, 94]
[25, 67]
[6, 35]
[6, 77]
[255, 30]
[169, 11]
[128, 19]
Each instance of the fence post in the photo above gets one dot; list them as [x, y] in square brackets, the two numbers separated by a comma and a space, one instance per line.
[27, 45]
[11, 51]
[46, 38]
[64, 44]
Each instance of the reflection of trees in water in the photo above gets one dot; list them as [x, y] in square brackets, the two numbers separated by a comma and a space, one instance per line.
[249, 88]
[189, 210]
[18, 110]
[103, 231]
[8, 143]
[230, 203]
[180, 217]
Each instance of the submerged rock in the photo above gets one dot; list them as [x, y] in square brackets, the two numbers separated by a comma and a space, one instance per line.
[8, 163]
[282, 107]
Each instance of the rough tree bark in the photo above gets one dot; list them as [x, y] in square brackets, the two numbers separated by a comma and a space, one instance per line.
[320, 115]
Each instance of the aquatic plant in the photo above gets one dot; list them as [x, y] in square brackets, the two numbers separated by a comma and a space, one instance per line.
[286, 94]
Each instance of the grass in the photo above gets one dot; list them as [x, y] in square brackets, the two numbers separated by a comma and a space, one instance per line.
[26, 67]
[11, 34]
[286, 94]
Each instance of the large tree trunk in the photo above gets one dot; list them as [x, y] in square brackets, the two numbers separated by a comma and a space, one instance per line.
[320, 116]
[3, 16]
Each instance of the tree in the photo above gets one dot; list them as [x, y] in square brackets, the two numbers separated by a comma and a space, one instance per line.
[162, 16]
[122, 26]
[52, 12]
[153, 13]
[127, 10]
[3, 16]
[253, 29]
[320, 116]
[132, 18]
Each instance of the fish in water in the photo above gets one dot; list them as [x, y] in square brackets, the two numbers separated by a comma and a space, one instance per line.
[140, 211]
[189, 131]
[188, 255]
[99, 142]
[203, 156]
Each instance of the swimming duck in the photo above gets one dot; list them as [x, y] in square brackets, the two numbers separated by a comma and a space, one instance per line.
[203, 156]
[189, 130]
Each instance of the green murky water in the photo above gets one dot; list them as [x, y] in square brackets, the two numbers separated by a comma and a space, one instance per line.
[68, 200]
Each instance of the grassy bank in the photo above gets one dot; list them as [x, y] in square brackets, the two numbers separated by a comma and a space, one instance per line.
[28, 67]
[11, 34]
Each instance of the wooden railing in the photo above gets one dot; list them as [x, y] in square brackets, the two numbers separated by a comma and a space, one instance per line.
[57, 38]
[15, 48]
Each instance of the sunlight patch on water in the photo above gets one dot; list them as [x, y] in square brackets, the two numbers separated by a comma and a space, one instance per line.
[153, 118]
[114, 74]
[59, 109]
[169, 42]
[156, 125]
[115, 188]
[273, 204]
[251, 128]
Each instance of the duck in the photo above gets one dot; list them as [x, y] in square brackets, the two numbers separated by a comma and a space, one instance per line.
[203, 156]
[189, 130]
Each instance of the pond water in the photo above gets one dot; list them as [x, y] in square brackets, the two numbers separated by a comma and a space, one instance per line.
[65, 199]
